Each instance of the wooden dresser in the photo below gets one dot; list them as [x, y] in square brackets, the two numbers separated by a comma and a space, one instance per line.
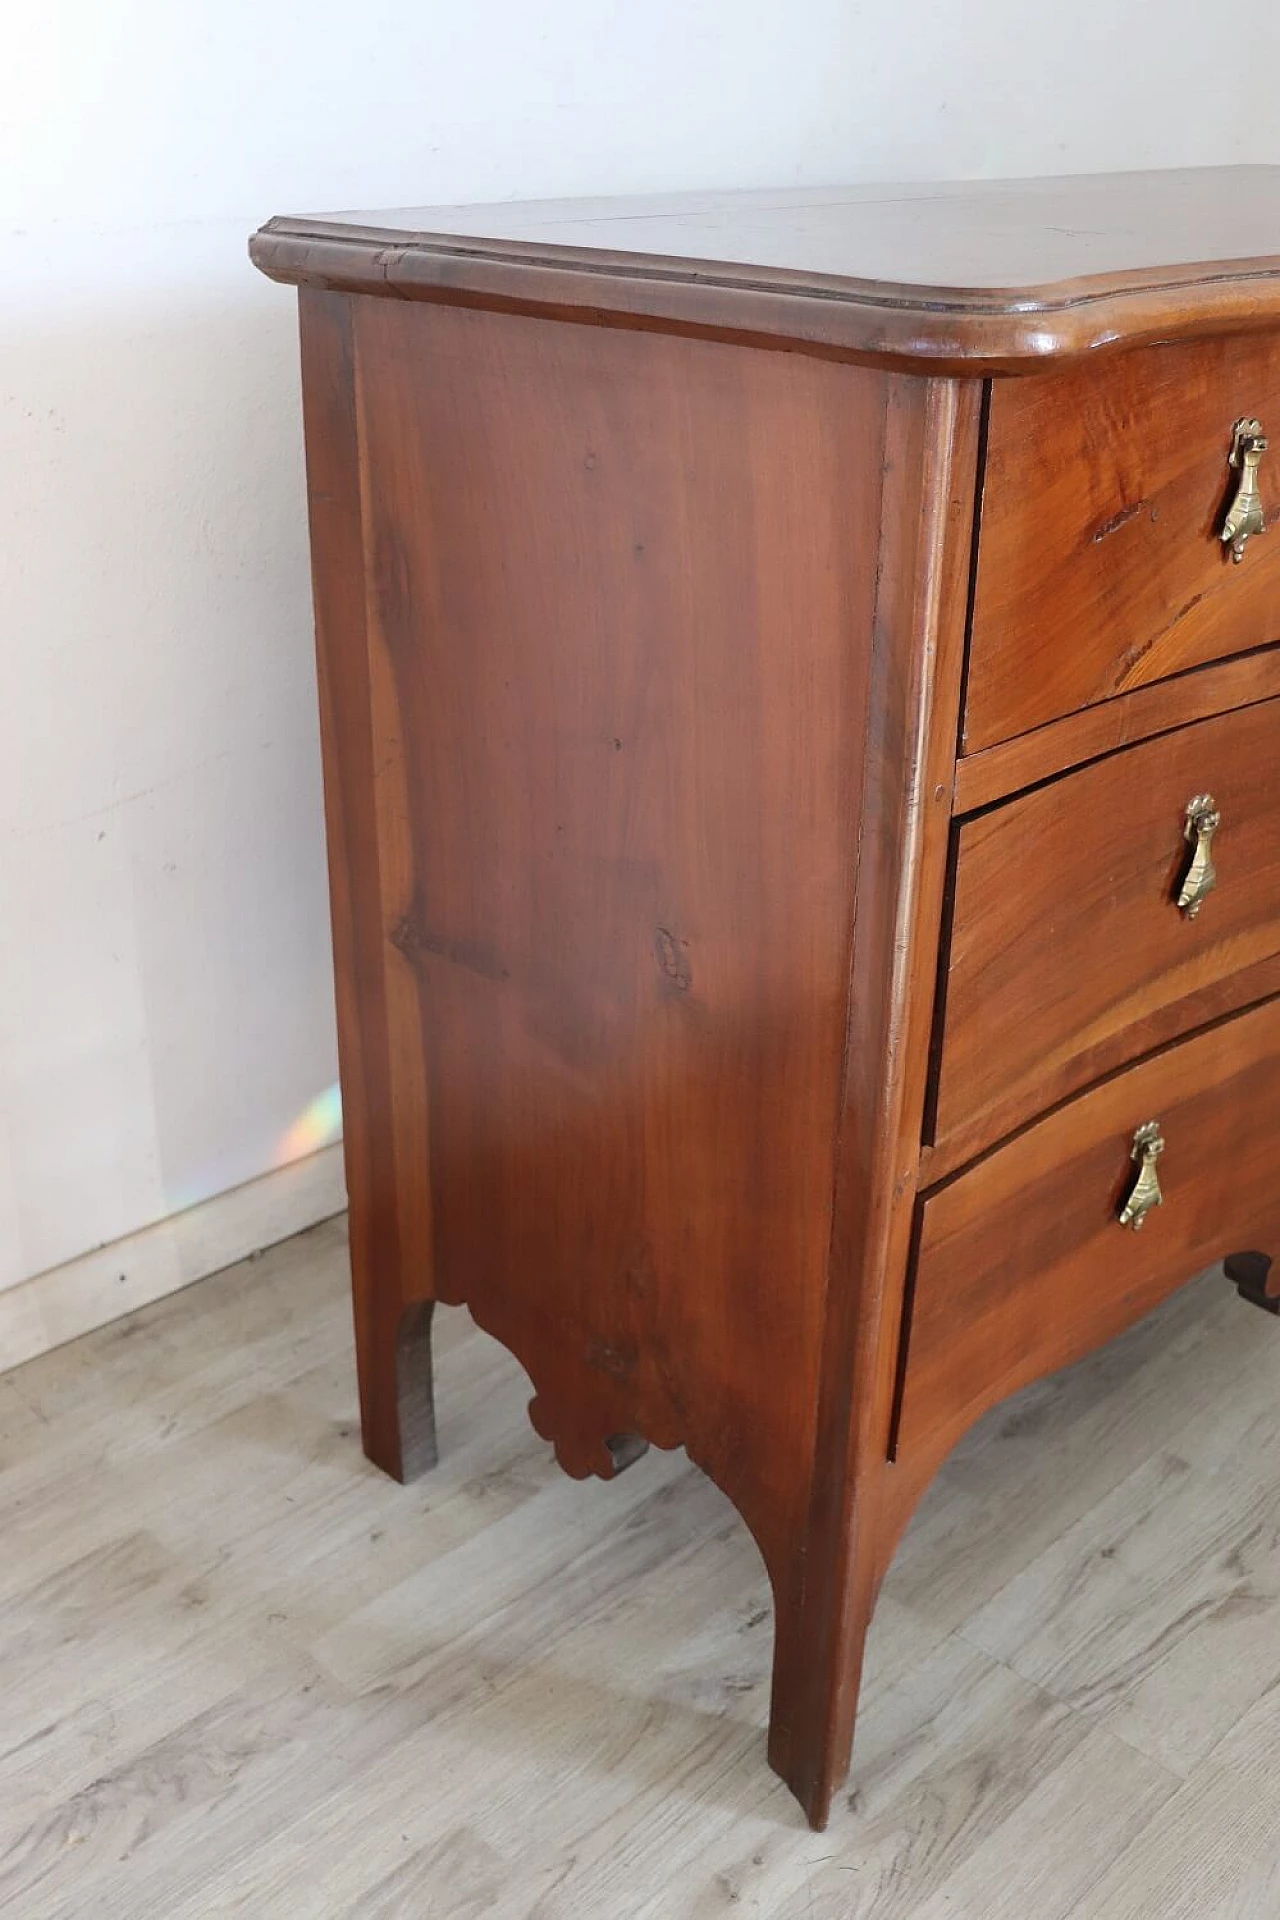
[800, 680]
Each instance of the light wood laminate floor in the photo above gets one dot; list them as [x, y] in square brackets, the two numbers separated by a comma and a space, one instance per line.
[245, 1674]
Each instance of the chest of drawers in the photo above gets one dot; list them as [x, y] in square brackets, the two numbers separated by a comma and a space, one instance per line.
[800, 682]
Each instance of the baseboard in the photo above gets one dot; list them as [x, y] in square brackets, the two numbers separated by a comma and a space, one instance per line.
[87, 1292]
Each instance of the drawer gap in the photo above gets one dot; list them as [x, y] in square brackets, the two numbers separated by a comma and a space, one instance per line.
[904, 1329]
[975, 545]
[929, 1120]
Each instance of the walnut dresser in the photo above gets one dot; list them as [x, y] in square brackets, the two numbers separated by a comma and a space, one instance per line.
[800, 681]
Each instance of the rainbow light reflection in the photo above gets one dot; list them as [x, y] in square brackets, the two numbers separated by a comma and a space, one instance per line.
[318, 1125]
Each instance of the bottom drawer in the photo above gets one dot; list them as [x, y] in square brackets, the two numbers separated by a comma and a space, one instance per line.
[1023, 1262]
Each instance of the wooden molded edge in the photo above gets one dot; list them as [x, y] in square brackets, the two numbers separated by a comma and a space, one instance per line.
[926, 329]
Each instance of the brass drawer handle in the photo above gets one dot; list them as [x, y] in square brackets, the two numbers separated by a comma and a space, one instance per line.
[1148, 1145]
[1203, 821]
[1244, 514]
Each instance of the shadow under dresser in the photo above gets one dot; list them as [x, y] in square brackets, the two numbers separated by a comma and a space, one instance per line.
[800, 688]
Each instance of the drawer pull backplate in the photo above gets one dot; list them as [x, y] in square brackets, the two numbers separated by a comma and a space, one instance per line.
[1244, 514]
[1203, 821]
[1148, 1145]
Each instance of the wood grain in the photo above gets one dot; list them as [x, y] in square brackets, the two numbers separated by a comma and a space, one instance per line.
[618, 737]
[383, 1107]
[191, 1750]
[923, 579]
[1022, 1263]
[1209, 1849]
[681, 973]
[965, 278]
[1027, 759]
[1100, 568]
[642, 645]
[1164, 1640]
[1173, 1372]
[661, 652]
[1065, 918]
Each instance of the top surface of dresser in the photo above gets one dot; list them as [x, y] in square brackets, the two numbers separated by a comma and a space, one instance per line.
[993, 275]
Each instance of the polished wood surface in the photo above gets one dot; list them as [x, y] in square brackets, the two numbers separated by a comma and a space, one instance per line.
[594, 739]
[1100, 567]
[1027, 759]
[756, 784]
[382, 1119]
[900, 898]
[600, 624]
[1023, 1265]
[1065, 918]
[974, 277]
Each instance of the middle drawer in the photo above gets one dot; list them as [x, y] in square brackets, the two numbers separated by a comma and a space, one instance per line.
[1070, 954]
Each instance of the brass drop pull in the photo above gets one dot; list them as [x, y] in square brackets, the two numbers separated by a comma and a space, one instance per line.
[1203, 821]
[1144, 1194]
[1245, 516]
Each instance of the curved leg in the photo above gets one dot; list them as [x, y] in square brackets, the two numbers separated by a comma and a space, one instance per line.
[397, 1392]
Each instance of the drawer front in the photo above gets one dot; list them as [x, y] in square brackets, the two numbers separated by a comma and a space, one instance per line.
[1100, 565]
[1023, 1264]
[1069, 953]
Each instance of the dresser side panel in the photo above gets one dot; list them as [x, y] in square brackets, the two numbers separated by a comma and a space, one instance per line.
[620, 600]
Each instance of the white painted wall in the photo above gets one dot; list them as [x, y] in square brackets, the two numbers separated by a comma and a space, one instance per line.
[164, 980]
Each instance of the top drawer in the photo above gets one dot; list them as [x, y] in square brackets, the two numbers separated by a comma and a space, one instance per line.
[1100, 566]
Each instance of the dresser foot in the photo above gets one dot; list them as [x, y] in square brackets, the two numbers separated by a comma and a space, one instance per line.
[397, 1391]
[625, 1449]
[1252, 1274]
[817, 1670]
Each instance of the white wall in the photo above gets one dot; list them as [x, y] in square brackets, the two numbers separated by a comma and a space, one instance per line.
[165, 996]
